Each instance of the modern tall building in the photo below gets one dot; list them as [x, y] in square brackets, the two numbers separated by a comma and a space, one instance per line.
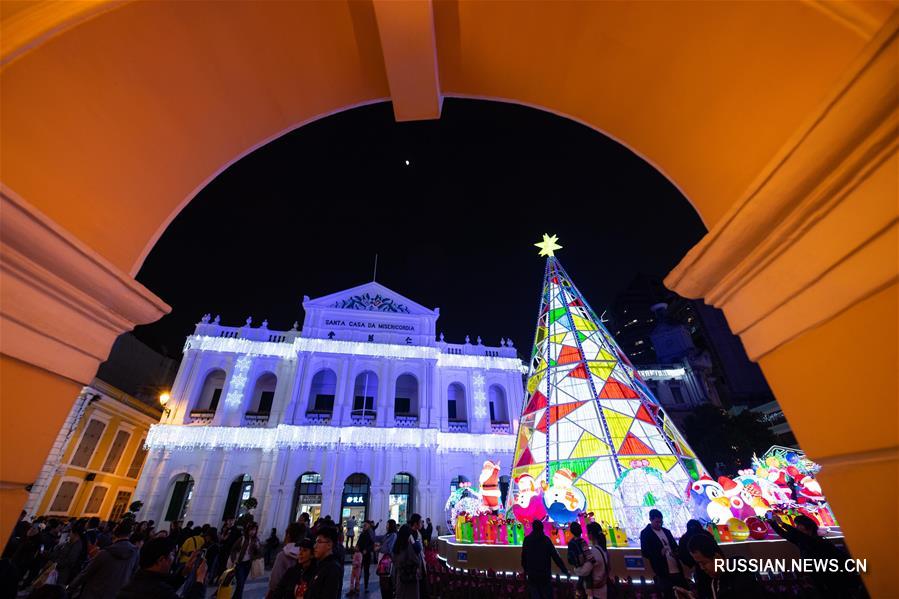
[654, 327]
[365, 411]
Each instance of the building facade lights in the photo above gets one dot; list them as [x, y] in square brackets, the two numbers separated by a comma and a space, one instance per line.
[188, 438]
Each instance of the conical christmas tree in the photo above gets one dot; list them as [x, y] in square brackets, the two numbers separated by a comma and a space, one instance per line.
[590, 424]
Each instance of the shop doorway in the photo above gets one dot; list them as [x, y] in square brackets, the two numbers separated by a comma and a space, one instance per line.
[308, 496]
[355, 499]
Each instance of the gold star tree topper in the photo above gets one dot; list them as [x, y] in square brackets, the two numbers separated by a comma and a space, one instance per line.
[548, 245]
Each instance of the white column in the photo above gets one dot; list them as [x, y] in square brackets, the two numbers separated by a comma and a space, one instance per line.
[384, 409]
[332, 486]
[218, 485]
[294, 411]
[284, 391]
[157, 492]
[438, 418]
[235, 417]
[184, 387]
[345, 391]
[260, 490]
[199, 503]
[378, 504]
[280, 491]
[221, 411]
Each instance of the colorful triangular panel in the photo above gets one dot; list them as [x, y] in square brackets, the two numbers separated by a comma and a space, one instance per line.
[556, 412]
[617, 390]
[643, 415]
[538, 400]
[526, 458]
[589, 445]
[568, 355]
[634, 446]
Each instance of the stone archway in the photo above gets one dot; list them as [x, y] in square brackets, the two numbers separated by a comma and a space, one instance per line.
[777, 121]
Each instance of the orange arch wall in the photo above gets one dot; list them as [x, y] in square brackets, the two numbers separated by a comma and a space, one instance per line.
[114, 114]
[130, 112]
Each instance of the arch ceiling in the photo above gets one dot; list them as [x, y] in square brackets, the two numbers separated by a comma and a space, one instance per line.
[116, 113]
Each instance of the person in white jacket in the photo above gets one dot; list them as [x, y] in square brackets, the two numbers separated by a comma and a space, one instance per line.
[287, 557]
[596, 566]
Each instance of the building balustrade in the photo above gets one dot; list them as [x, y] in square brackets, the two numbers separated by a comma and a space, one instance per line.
[501, 428]
[261, 333]
[468, 349]
[362, 419]
[201, 416]
[318, 418]
[256, 418]
[457, 426]
[404, 421]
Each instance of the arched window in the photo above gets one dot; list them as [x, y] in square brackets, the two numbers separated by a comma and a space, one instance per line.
[263, 394]
[241, 490]
[211, 391]
[405, 399]
[355, 498]
[400, 501]
[364, 392]
[308, 496]
[182, 490]
[499, 412]
[322, 392]
[455, 403]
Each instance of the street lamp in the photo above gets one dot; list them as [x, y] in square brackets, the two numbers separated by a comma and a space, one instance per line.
[164, 398]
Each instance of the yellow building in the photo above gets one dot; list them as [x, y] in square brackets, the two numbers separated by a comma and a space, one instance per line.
[93, 466]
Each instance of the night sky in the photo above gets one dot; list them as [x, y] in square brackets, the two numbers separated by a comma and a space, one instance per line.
[454, 229]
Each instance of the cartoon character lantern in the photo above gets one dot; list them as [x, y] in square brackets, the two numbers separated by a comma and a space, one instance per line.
[737, 497]
[708, 500]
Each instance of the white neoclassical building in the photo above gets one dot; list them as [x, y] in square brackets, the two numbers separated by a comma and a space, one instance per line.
[365, 411]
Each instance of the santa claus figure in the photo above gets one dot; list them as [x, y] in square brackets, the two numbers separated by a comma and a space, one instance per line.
[489, 481]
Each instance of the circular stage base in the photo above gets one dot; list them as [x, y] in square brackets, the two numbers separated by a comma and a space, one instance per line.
[623, 561]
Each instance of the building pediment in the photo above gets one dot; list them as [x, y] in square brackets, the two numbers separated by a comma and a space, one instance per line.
[370, 297]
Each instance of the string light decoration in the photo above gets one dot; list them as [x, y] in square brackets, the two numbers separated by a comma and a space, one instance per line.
[479, 396]
[180, 437]
[238, 381]
[670, 373]
[289, 351]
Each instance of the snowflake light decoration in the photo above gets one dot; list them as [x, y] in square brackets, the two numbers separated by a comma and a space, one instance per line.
[238, 381]
[479, 395]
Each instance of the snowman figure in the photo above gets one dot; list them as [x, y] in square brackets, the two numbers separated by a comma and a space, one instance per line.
[564, 501]
[528, 505]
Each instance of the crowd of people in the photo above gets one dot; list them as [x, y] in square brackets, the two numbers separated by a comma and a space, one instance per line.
[85, 558]
[697, 555]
